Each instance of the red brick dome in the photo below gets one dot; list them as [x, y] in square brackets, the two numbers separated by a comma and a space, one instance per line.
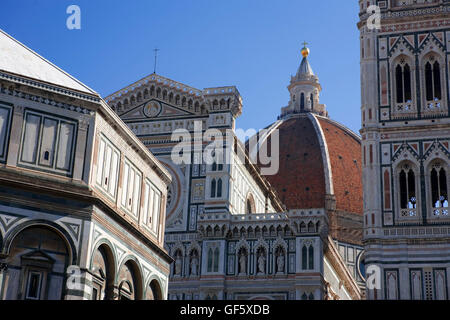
[320, 159]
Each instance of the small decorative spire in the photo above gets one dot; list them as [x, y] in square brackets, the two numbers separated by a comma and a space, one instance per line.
[305, 50]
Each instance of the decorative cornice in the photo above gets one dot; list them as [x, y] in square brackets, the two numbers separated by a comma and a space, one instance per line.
[48, 87]
[36, 98]
[174, 85]
[410, 12]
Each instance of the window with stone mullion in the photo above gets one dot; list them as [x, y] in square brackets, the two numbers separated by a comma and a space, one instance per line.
[439, 191]
[407, 190]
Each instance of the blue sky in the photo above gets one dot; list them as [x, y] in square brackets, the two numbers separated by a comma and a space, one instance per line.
[252, 44]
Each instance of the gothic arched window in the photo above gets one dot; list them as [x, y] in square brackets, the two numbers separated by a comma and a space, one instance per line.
[302, 101]
[407, 186]
[249, 206]
[213, 188]
[214, 167]
[439, 191]
[216, 260]
[433, 80]
[304, 258]
[311, 258]
[210, 260]
[219, 188]
[403, 82]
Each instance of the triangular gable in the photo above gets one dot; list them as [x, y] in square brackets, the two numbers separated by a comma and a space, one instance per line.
[429, 42]
[154, 109]
[439, 36]
[422, 38]
[404, 152]
[38, 255]
[400, 44]
[136, 113]
[168, 111]
[415, 146]
[427, 146]
[392, 41]
[410, 40]
[438, 147]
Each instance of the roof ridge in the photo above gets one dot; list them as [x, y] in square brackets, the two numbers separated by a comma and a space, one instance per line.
[149, 78]
[49, 63]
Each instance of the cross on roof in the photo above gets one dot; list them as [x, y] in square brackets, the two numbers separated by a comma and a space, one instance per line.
[156, 54]
[305, 44]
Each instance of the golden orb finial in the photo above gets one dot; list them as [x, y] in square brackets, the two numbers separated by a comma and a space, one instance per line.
[305, 51]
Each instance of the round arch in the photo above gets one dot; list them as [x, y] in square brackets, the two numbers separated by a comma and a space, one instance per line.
[38, 257]
[153, 289]
[103, 266]
[250, 205]
[106, 243]
[9, 238]
[130, 273]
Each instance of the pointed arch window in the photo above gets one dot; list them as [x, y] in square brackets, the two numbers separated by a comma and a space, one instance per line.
[304, 258]
[210, 260]
[308, 257]
[439, 191]
[219, 188]
[216, 260]
[311, 258]
[408, 198]
[213, 260]
[213, 188]
[433, 80]
[403, 82]
[302, 102]
[249, 206]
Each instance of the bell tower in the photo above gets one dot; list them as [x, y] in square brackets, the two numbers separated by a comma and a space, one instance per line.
[405, 139]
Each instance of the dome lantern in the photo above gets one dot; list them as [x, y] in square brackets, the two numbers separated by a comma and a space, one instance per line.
[304, 90]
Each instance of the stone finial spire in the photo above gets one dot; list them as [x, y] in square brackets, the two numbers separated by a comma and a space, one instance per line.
[304, 89]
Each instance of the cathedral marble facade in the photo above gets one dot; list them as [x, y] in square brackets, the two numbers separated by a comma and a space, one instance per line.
[406, 134]
[228, 229]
